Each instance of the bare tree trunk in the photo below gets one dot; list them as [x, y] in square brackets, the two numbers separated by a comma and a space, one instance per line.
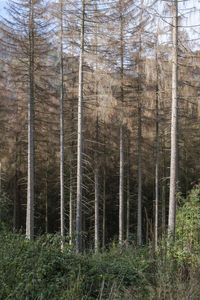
[0, 177]
[97, 189]
[62, 207]
[104, 208]
[174, 121]
[46, 194]
[164, 192]
[121, 172]
[71, 191]
[121, 187]
[139, 214]
[30, 188]
[79, 142]
[15, 186]
[163, 209]
[96, 175]
[157, 160]
[71, 207]
[0, 189]
[128, 196]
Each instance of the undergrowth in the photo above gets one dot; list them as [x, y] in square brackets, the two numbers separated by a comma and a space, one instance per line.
[41, 270]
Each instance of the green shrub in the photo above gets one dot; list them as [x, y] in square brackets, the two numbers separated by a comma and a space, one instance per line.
[41, 270]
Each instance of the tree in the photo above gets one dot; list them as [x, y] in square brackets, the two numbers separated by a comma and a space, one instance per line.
[79, 138]
[174, 123]
[26, 36]
[62, 209]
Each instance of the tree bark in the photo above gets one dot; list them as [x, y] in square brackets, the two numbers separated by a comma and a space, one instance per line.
[157, 159]
[62, 208]
[104, 209]
[139, 214]
[128, 195]
[79, 142]
[0, 189]
[97, 189]
[30, 188]
[46, 193]
[174, 123]
[121, 169]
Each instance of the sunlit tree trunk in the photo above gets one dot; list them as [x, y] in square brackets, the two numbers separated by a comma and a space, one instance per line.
[128, 194]
[79, 142]
[139, 214]
[121, 169]
[46, 193]
[62, 209]
[157, 159]
[104, 209]
[174, 123]
[30, 188]
[97, 188]
[164, 191]
[71, 190]
[96, 172]
[71, 206]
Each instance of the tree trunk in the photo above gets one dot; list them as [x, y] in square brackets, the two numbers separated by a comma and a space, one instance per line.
[71, 191]
[62, 209]
[157, 159]
[174, 122]
[128, 196]
[104, 209]
[71, 207]
[139, 214]
[30, 188]
[0, 189]
[46, 193]
[121, 169]
[96, 175]
[79, 142]
[96, 179]
[121, 187]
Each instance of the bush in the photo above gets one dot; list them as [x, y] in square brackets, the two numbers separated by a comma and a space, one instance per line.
[40, 270]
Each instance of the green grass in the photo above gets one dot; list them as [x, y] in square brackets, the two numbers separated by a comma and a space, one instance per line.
[40, 270]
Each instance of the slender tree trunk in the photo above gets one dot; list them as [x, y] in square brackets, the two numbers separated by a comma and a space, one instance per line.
[121, 170]
[71, 207]
[97, 189]
[62, 206]
[163, 209]
[30, 188]
[15, 186]
[104, 208]
[121, 187]
[139, 214]
[46, 194]
[164, 192]
[174, 123]
[0, 189]
[79, 142]
[128, 196]
[96, 175]
[15, 201]
[71, 191]
[157, 160]
[0, 177]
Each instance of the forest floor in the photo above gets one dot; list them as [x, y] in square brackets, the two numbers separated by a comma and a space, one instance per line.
[41, 270]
